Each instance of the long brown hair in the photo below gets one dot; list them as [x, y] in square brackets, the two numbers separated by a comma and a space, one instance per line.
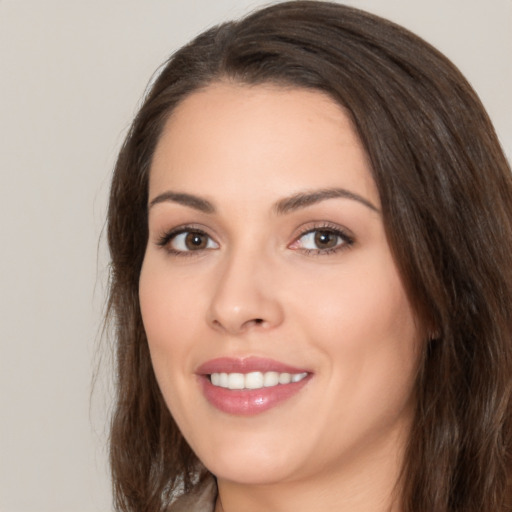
[446, 195]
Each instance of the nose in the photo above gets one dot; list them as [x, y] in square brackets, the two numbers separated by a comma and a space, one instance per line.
[245, 296]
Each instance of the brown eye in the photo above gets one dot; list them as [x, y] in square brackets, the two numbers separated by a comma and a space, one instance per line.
[326, 239]
[323, 241]
[194, 241]
[189, 241]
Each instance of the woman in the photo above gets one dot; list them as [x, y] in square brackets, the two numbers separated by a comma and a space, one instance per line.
[311, 240]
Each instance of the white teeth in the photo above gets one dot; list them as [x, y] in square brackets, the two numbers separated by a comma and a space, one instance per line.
[236, 381]
[270, 379]
[285, 378]
[254, 380]
[223, 380]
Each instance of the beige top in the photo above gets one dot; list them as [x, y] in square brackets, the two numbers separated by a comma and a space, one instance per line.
[200, 499]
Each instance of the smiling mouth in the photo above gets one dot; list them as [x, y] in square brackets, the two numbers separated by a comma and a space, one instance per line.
[251, 385]
[254, 380]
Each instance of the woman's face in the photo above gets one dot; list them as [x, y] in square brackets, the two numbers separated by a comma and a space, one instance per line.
[279, 329]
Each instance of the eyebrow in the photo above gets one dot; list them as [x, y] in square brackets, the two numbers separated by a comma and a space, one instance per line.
[304, 199]
[190, 200]
[281, 207]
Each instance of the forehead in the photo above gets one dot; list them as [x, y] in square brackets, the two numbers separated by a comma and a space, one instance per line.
[267, 139]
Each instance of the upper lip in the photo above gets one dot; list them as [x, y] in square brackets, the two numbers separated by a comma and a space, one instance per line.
[246, 365]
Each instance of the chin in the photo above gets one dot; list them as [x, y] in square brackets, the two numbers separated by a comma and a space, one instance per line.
[249, 472]
[250, 464]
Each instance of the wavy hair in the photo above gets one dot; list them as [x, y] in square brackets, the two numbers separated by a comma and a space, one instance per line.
[446, 194]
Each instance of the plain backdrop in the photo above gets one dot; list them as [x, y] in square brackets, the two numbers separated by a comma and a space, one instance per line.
[71, 76]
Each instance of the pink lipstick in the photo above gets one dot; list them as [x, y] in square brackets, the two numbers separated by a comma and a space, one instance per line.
[248, 386]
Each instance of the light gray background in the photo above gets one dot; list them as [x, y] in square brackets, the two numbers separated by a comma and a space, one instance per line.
[71, 76]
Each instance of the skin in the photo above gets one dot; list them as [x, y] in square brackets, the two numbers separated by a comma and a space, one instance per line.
[260, 287]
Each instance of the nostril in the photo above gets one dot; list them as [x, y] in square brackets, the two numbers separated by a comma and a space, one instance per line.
[254, 322]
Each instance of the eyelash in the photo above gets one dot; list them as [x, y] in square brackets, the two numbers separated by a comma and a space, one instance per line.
[165, 240]
[346, 240]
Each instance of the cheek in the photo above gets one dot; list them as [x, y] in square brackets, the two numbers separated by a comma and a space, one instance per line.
[169, 318]
[362, 322]
[369, 336]
[168, 306]
[361, 302]
[168, 315]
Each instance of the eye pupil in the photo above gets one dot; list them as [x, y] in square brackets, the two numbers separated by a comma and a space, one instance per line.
[326, 239]
[194, 241]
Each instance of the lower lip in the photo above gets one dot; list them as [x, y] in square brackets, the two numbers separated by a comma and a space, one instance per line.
[248, 402]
